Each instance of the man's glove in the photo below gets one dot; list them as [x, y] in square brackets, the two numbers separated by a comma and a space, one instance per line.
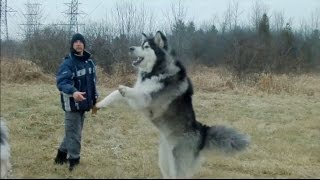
[94, 111]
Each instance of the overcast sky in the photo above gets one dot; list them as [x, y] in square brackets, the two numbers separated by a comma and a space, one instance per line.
[197, 10]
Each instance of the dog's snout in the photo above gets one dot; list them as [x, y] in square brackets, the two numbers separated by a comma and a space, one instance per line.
[131, 48]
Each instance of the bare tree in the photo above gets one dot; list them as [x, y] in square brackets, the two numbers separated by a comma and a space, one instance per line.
[226, 23]
[315, 19]
[152, 24]
[304, 28]
[177, 13]
[146, 20]
[207, 24]
[278, 21]
[125, 13]
[236, 13]
[231, 16]
[131, 18]
[258, 9]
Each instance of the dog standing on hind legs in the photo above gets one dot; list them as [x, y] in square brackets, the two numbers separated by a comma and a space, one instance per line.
[5, 150]
[163, 93]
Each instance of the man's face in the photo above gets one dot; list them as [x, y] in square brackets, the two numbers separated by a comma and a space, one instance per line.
[78, 46]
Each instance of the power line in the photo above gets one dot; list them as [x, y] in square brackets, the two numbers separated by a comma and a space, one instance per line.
[95, 8]
[33, 17]
[4, 10]
[72, 13]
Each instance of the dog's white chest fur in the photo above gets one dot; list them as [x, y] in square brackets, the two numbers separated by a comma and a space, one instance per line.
[149, 85]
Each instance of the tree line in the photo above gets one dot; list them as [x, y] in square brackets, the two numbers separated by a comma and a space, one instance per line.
[259, 47]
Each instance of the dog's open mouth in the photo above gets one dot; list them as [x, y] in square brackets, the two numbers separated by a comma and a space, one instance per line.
[138, 61]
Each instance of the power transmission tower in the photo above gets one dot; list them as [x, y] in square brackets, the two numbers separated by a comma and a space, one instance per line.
[33, 17]
[72, 13]
[4, 10]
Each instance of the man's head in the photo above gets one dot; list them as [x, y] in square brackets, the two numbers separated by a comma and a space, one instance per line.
[78, 44]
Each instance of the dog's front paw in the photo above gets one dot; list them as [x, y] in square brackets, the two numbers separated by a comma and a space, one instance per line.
[98, 105]
[123, 90]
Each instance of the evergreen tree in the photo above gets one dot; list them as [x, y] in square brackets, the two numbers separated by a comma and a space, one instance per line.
[264, 29]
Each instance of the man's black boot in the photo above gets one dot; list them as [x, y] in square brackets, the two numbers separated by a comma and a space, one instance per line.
[61, 157]
[73, 163]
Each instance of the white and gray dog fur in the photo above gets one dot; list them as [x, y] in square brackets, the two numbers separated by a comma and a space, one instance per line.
[163, 93]
[5, 149]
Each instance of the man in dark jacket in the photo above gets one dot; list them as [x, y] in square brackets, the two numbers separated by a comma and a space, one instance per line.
[76, 81]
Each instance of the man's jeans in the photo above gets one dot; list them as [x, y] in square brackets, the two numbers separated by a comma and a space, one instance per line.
[71, 143]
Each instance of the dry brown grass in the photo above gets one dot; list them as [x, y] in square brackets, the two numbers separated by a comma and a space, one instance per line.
[211, 79]
[278, 112]
[22, 71]
[204, 78]
[220, 79]
[120, 76]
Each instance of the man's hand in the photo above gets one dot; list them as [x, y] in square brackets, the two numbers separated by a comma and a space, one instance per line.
[94, 110]
[78, 96]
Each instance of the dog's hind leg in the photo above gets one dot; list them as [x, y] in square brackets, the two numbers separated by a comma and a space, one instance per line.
[181, 160]
[186, 159]
[5, 166]
[165, 159]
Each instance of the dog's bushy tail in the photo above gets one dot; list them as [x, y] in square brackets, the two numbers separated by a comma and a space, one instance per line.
[225, 139]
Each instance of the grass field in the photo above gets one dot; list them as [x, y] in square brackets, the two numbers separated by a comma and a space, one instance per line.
[283, 122]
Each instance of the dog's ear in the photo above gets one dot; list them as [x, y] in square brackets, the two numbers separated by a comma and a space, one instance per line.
[144, 35]
[161, 40]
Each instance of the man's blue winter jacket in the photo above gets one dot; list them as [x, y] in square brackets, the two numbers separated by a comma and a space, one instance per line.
[77, 74]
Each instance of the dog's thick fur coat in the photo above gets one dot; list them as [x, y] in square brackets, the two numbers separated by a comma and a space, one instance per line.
[163, 93]
[5, 149]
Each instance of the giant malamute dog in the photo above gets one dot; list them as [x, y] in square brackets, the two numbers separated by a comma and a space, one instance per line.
[163, 93]
[5, 149]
